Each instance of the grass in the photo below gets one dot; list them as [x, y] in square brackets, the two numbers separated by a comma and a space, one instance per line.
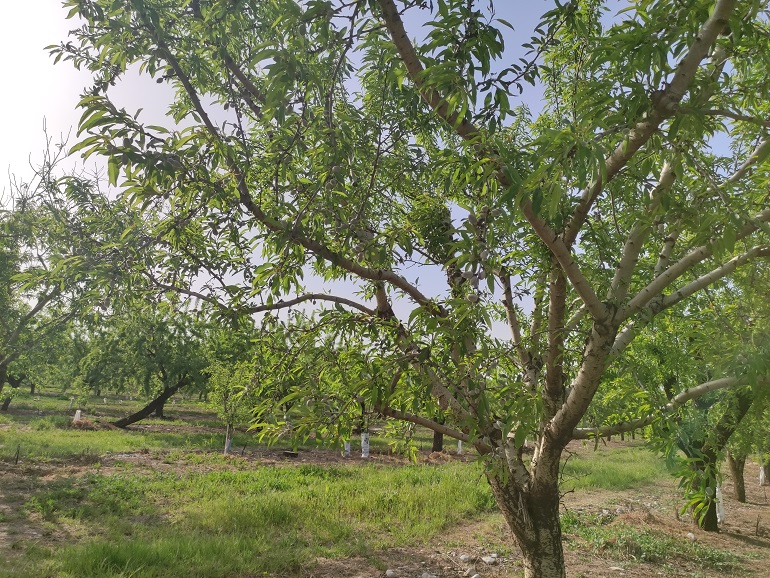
[62, 442]
[621, 469]
[217, 516]
[601, 534]
[270, 521]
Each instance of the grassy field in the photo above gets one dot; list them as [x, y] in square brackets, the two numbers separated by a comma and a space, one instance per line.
[161, 500]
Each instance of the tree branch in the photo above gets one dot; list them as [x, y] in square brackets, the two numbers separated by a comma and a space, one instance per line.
[664, 105]
[695, 256]
[676, 402]
[733, 115]
[636, 238]
[627, 335]
[664, 257]
[513, 319]
[312, 297]
[414, 68]
[388, 411]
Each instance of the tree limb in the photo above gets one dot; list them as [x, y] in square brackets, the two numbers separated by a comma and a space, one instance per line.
[414, 67]
[676, 402]
[388, 411]
[630, 331]
[664, 105]
[636, 238]
[695, 256]
[733, 115]
[311, 297]
[513, 319]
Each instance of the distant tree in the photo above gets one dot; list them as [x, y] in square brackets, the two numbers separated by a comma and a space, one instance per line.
[41, 290]
[233, 370]
[149, 352]
[322, 140]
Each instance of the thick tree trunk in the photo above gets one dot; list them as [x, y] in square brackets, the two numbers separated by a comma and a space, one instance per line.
[705, 460]
[706, 464]
[534, 521]
[6, 403]
[151, 407]
[710, 522]
[31, 388]
[438, 442]
[737, 464]
[159, 409]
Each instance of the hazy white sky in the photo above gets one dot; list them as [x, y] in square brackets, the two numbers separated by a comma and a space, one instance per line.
[34, 89]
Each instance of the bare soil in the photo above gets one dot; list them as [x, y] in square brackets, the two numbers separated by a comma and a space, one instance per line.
[745, 532]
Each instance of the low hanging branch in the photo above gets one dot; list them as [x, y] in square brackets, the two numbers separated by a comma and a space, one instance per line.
[675, 403]
[156, 403]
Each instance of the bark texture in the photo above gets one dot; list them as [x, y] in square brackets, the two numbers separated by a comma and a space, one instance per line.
[737, 464]
[438, 442]
[533, 517]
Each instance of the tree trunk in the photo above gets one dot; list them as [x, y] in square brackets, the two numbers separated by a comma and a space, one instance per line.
[153, 406]
[737, 464]
[3, 379]
[228, 438]
[705, 460]
[159, 409]
[710, 522]
[533, 517]
[438, 442]
[31, 388]
[706, 465]
[766, 470]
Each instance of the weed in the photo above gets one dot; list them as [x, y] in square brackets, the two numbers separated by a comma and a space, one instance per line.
[604, 534]
[620, 469]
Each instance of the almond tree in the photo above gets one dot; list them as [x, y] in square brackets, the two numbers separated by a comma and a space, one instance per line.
[39, 293]
[342, 140]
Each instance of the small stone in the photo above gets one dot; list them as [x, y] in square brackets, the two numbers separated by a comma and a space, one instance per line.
[476, 576]
[466, 558]
[616, 568]
[495, 555]
[691, 536]
[488, 559]
[391, 573]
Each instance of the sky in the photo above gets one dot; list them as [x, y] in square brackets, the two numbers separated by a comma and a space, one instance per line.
[35, 92]
[39, 94]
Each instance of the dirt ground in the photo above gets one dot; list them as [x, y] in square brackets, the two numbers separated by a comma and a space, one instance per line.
[746, 530]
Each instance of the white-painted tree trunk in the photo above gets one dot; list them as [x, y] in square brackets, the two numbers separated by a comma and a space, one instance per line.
[228, 439]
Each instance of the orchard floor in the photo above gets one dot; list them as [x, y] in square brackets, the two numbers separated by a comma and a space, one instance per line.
[652, 511]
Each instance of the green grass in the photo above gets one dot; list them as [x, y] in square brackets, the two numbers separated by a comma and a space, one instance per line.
[39, 442]
[217, 516]
[270, 521]
[601, 534]
[619, 469]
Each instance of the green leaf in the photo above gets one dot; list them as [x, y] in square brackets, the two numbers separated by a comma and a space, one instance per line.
[113, 169]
